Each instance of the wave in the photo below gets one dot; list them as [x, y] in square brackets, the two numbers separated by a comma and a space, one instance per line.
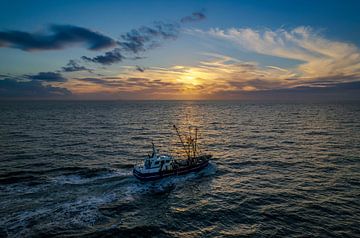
[76, 214]
[75, 175]
[91, 176]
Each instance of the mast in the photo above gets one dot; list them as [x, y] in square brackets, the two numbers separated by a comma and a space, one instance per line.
[153, 150]
[182, 142]
[195, 142]
[189, 140]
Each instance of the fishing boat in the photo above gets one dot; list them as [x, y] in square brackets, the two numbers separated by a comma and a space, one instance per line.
[157, 166]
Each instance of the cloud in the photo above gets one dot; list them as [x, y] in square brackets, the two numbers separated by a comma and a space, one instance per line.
[11, 88]
[221, 76]
[73, 66]
[255, 84]
[318, 56]
[218, 77]
[339, 91]
[58, 37]
[194, 17]
[140, 88]
[110, 57]
[137, 41]
[331, 87]
[102, 81]
[139, 68]
[61, 36]
[128, 83]
[47, 77]
[142, 39]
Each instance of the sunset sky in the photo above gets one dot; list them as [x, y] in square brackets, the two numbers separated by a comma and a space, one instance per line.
[179, 50]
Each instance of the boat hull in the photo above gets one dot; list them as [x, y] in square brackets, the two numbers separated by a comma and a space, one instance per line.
[163, 174]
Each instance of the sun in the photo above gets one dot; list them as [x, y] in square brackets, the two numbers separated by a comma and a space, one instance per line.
[190, 78]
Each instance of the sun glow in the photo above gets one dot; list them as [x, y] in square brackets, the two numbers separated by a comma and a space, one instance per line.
[189, 80]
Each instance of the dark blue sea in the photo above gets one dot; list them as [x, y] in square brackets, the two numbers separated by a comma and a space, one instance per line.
[279, 169]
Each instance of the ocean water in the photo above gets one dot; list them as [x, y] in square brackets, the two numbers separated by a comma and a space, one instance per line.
[279, 169]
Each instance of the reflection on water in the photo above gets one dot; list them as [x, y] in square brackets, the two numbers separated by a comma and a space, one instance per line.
[278, 169]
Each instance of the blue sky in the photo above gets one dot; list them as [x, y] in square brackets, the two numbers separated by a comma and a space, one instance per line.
[227, 35]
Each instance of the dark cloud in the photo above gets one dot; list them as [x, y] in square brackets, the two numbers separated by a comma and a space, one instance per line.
[325, 92]
[324, 88]
[320, 84]
[116, 82]
[47, 77]
[329, 78]
[257, 83]
[60, 36]
[11, 88]
[136, 41]
[73, 66]
[128, 46]
[110, 57]
[139, 68]
[195, 16]
[93, 80]
[145, 37]
[138, 80]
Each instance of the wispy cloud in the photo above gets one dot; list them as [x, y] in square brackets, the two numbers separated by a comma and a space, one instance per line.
[320, 56]
[126, 88]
